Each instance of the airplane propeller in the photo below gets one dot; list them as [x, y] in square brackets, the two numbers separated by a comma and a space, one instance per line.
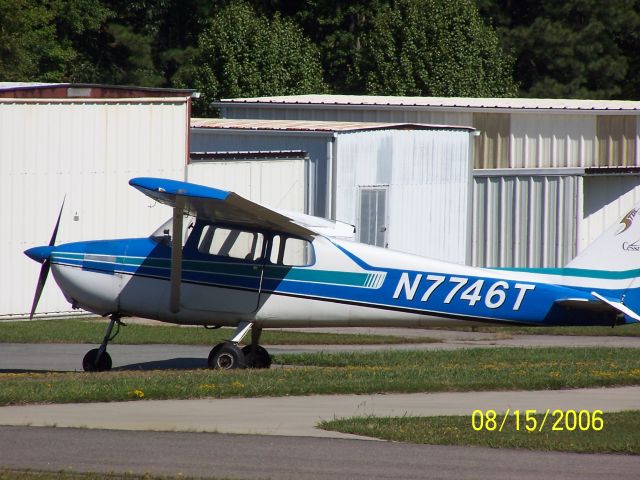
[43, 255]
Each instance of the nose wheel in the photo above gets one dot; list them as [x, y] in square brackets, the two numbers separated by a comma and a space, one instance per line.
[98, 359]
[93, 361]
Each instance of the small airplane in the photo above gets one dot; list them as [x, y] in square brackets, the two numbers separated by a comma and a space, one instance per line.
[222, 260]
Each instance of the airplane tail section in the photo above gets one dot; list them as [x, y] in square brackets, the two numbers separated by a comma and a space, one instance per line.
[616, 250]
[614, 258]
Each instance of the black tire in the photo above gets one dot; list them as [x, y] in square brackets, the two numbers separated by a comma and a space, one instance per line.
[261, 359]
[226, 356]
[89, 361]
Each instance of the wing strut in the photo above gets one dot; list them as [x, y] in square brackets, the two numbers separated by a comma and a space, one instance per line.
[176, 255]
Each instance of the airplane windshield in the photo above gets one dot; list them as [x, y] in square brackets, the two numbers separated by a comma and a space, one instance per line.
[164, 233]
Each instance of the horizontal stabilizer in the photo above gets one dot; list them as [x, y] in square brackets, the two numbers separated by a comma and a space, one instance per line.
[599, 304]
[619, 306]
[584, 304]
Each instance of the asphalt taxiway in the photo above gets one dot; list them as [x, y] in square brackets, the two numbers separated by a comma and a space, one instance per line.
[286, 458]
[201, 437]
[16, 357]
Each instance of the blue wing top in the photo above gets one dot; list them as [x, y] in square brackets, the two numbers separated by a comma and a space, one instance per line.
[217, 205]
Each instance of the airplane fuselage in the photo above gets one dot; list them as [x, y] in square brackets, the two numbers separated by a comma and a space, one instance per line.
[238, 263]
[347, 284]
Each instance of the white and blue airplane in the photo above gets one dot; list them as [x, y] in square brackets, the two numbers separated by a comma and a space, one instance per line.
[222, 260]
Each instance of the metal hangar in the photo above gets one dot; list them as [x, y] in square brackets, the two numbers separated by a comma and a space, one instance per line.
[85, 141]
[396, 182]
[549, 174]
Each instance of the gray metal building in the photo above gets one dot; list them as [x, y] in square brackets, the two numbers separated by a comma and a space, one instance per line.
[549, 175]
[396, 182]
[84, 142]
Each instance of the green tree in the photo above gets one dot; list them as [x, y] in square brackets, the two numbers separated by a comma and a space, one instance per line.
[243, 54]
[433, 47]
[79, 30]
[337, 28]
[29, 49]
[571, 48]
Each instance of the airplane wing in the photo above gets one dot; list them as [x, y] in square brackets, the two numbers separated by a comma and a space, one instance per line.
[217, 205]
[212, 204]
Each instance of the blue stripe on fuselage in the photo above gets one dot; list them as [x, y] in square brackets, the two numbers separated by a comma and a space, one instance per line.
[431, 293]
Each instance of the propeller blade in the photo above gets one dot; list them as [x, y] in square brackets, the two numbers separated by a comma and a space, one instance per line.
[46, 265]
[42, 279]
[52, 242]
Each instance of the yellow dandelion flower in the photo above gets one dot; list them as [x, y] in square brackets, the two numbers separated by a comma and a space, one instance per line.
[137, 393]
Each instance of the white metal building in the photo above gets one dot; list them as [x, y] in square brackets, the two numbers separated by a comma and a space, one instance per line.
[86, 148]
[396, 182]
[549, 175]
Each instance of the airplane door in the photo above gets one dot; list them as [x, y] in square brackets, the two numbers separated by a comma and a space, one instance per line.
[222, 269]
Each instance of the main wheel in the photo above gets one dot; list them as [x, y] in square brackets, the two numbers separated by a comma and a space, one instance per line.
[226, 356]
[89, 361]
[261, 358]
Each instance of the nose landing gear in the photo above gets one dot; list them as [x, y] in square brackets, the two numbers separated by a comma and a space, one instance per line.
[98, 359]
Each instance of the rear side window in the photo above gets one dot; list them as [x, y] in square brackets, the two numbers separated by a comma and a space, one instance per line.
[230, 242]
[291, 251]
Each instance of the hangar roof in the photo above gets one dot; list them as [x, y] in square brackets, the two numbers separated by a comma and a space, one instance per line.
[311, 125]
[86, 90]
[364, 101]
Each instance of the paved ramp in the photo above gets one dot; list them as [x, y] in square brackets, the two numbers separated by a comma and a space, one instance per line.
[297, 416]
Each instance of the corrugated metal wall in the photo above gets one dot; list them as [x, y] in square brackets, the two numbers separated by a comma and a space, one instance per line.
[544, 139]
[617, 140]
[317, 147]
[525, 220]
[88, 150]
[429, 177]
[367, 114]
[277, 183]
[517, 139]
[552, 141]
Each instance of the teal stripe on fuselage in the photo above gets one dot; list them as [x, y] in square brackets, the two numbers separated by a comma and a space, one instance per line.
[354, 279]
[579, 272]
[299, 274]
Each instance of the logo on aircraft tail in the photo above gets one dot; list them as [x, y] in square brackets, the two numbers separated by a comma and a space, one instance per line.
[627, 221]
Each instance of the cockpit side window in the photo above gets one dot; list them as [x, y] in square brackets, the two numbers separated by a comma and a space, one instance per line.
[231, 242]
[291, 251]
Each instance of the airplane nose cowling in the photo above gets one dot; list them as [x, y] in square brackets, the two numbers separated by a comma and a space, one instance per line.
[39, 254]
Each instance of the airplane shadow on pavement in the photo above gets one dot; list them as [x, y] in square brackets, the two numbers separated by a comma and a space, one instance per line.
[169, 364]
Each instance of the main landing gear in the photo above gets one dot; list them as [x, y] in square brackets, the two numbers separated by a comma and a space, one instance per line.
[98, 359]
[228, 355]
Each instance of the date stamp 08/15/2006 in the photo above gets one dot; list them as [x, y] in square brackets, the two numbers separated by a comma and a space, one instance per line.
[537, 421]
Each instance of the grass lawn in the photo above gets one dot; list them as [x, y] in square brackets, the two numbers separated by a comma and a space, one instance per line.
[358, 372]
[620, 432]
[618, 331]
[92, 331]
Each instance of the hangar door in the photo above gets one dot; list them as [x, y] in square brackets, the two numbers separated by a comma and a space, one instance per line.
[274, 181]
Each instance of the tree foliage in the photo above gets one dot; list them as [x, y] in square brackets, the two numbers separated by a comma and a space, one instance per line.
[571, 48]
[36, 38]
[434, 47]
[245, 54]
[550, 48]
